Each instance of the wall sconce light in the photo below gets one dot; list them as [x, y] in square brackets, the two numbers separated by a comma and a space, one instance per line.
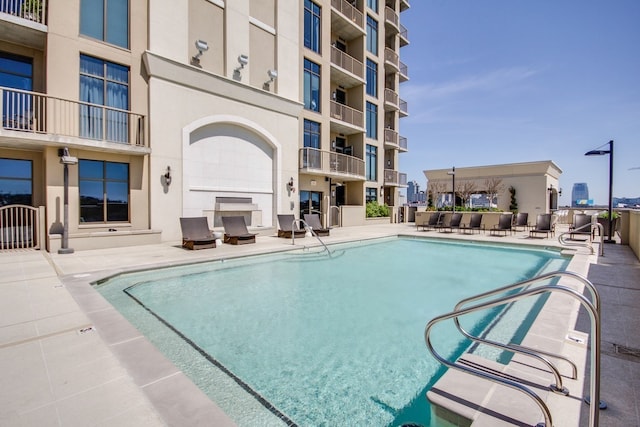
[381, 190]
[273, 74]
[242, 60]
[290, 186]
[202, 47]
[551, 188]
[167, 176]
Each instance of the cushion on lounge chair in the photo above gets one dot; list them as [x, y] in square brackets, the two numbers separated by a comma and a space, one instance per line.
[196, 233]
[313, 221]
[235, 231]
[288, 227]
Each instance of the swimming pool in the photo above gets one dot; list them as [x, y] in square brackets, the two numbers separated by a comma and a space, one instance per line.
[318, 340]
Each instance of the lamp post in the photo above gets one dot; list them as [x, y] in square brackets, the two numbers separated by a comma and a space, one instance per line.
[452, 172]
[600, 152]
[66, 160]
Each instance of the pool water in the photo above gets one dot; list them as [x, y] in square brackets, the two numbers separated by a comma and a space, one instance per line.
[324, 340]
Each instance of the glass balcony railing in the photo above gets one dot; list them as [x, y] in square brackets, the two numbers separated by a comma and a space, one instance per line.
[330, 163]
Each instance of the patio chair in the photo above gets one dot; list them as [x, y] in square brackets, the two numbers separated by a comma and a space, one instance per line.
[544, 224]
[581, 225]
[503, 225]
[522, 220]
[475, 224]
[288, 227]
[235, 231]
[454, 222]
[435, 221]
[313, 221]
[196, 233]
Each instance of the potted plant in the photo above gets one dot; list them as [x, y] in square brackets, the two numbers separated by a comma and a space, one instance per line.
[31, 9]
[603, 218]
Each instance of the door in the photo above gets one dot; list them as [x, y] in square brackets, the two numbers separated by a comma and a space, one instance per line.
[310, 202]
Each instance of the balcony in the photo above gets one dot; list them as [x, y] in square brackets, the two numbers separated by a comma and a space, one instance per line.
[329, 163]
[24, 23]
[390, 139]
[391, 98]
[391, 21]
[404, 72]
[346, 71]
[346, 20]
[394, 178]
[36, 116]
[404, 5]
[403, 144]
[404, 36]
[345, 119]
[404, 109]
[391, 60]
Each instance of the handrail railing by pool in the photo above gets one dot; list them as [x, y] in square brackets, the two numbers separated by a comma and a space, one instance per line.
[313, 233]
[588, 243]
[593, 309]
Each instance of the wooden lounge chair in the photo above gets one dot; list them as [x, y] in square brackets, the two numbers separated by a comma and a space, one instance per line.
[522, 220]
[196, 233]
[313, 221]
[544, 225]
[581, 226]
[288, 227]
[235, 231]
[503, 225]
[454, 222]
[475, 224]
[435, 221]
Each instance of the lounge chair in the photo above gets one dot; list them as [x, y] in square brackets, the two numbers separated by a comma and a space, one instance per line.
[581, 225]
[313, 221]
[522, 220]
[435, 221]
[196, 233]
[454, 222]
[288, 227]
[544, 224]
[475, 224]
[503, 225]
[235, 231]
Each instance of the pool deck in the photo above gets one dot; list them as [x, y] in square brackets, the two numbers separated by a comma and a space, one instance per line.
[67, 358]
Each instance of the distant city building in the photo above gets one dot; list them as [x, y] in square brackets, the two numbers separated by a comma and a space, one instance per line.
[414, 195]
[580, 195]
[626, 202]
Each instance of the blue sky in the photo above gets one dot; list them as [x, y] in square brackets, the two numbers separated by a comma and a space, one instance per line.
[507, 81]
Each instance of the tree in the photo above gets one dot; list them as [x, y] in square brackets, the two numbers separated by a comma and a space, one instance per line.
[513, 206]
[465, 190]
[436, 188]
[493, 187]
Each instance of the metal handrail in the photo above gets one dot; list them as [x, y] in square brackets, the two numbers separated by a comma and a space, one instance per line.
[589, 245]
[594, 316]
[313, 233]
[339, 218]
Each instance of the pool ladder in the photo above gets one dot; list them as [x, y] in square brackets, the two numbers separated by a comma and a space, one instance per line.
[525, 289]
[307, 228]
[589, 242]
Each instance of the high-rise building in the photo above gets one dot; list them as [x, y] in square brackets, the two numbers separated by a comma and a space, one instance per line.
[580, 194]
[202, 108]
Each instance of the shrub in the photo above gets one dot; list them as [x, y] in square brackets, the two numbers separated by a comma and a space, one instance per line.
[375, 210]
[605, 215]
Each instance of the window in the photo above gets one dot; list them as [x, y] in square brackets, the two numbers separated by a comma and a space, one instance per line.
[16, 187]
[312, 25]
[372, 35]
[104, 191]
[372, 120]
[17, 107]
[373, 5]
[372, 195]
[372, 163]
[106, 20]
[372, 78]
[104, 83]
[312, 158]
[311, 86]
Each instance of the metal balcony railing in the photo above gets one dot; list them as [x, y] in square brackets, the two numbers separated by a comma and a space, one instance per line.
[391, 57]
[38, 113]
[347, 62]
[390, 136]
[347, 114]
[402, 142]
[404, 35]
[404, 71]
[312, 159]
[390, 177]
[350, 12]
[402, 178]
[391, 17]
[391, 97]
[29, 10]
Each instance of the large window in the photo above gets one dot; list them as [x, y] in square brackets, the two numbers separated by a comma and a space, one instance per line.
[372, 78]
[104, 83]
[312, 25]
[16, 187]
[373, 5]
[372, 35]
[104, 191]
[371, 195]
[372, 163]
[372, 120]
[17, 107]
[311, 86]
[106, 20]
[312, 158]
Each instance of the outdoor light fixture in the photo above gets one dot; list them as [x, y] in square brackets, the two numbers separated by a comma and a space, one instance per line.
[167, 176]
[66, 159]
[290, 186]
[242, 60]
[452, 172]
[202, 47]
[273, 74]
[381, 190]
[600, 152]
